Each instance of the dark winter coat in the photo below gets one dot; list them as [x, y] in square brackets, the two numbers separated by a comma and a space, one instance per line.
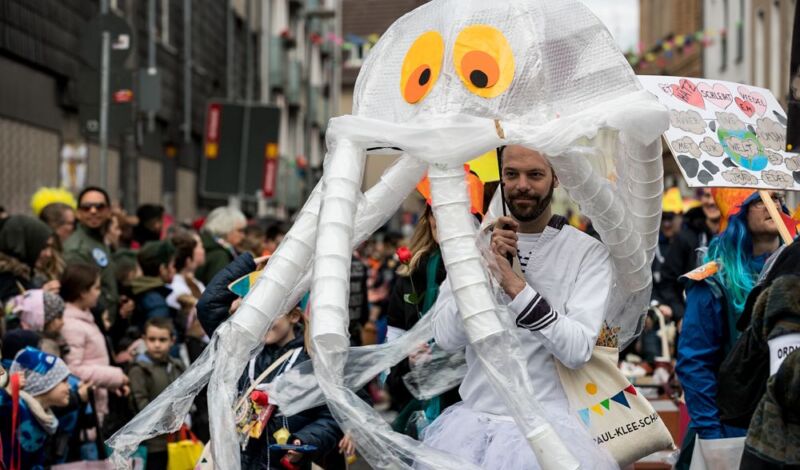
[150, 296]
[404, 315]
[315, 426]
[148, 378]
[217, 257]
[32, 437]
[22, 239]
[86, 246]
[684, 254]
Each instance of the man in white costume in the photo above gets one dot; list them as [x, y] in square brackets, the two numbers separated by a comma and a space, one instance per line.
[558, 307]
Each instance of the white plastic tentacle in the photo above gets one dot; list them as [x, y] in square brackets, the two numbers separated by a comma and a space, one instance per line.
[239, 338]
[283, 285]
[166, 413]
[496, 346]
[329, 319]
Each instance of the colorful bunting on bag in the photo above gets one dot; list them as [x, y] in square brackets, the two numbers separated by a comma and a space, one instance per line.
[620, 398]
[598, 407]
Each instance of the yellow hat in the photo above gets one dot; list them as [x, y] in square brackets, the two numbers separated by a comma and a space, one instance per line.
[672, 202]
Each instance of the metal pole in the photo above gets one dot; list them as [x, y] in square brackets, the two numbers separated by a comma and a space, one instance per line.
[247, 103]
[104, 86]
[229, 62]
[187, 71]
[337, 61]
[151, 55]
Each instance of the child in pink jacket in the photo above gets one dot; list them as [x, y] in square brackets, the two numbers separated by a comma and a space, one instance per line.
[88, 356]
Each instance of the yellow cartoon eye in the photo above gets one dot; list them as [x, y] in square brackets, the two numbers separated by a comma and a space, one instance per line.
[483, 60]
[421, 66]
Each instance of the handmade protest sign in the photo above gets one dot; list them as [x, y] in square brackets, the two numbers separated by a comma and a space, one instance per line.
[726, 134]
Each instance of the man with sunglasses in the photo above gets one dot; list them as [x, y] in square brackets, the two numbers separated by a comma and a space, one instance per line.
[86, 244]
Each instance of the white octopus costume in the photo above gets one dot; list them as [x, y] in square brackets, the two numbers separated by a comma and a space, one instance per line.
[447, 82]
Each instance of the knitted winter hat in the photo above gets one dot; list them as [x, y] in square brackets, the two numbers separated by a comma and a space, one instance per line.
[35, 308]
[42, 371]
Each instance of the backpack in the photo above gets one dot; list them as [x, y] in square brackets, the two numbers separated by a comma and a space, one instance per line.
[742, 379]
[743, 374]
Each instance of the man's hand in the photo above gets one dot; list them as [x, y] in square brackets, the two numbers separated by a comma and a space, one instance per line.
[504, 236]
[504, 243]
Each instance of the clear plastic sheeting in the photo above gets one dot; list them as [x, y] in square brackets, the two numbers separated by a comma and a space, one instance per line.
[165, 414]
[297, 390]
[440, 372]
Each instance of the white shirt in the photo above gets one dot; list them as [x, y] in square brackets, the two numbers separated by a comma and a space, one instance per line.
[573, 273]
[180, 287]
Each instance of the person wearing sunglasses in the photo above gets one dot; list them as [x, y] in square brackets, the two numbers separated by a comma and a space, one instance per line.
[86, 244]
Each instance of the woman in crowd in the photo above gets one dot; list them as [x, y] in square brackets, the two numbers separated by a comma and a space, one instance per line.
[715, 299]
[25, 245]
[222, 232]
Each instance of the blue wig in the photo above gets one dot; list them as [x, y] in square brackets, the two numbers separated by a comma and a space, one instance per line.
[733, 250]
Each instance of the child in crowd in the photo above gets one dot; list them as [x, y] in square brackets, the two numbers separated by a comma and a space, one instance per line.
[150, 291]
[150, 374]
[88, 355]
[39, 385]
[39, 311]
[315, 426]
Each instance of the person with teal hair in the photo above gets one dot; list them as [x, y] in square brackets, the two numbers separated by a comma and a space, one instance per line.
[715, 297]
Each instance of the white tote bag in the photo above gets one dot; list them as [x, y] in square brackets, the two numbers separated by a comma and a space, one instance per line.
[618, 417]
[717, 454]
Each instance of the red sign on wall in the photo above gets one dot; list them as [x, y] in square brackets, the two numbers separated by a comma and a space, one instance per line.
[270, 168]
[212, 131]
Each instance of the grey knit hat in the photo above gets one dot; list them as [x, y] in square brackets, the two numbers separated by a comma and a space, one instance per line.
[42, 371]
[53, 307]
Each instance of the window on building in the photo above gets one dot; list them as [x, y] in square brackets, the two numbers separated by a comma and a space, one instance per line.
[760, 58]
[162, 22]
[775, 34]
[723, 40]
[740, 34]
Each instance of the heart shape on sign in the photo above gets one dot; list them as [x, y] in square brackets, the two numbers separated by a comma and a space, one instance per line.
[745, 106]
[755, 98]
[687, 92]
[718, 95]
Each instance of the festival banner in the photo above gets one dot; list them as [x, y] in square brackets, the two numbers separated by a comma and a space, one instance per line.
[725, 134]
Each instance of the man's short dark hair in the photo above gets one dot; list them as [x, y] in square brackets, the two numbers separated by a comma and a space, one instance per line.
[274, 231]
[162, 323]
[100, 190]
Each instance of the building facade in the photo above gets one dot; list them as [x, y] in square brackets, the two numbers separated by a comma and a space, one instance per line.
[730, 56]
[235, 50]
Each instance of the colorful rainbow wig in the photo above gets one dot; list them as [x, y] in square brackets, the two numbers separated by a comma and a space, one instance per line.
[733, 250]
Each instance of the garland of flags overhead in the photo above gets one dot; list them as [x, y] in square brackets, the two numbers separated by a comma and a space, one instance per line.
[666, 48]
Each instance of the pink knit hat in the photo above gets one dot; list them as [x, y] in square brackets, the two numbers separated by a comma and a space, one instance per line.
[35, 308]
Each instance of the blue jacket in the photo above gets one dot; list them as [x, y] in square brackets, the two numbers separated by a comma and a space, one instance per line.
[214, 305]
[31, 436]
[315, 426]
[703, 344]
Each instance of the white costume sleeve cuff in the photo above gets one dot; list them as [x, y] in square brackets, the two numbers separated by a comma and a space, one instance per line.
[533, 311]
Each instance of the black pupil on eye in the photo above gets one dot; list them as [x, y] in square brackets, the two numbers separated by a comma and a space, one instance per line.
[424, 77]
[478, 78]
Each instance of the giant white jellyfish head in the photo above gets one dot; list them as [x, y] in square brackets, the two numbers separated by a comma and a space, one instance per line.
[515, 60]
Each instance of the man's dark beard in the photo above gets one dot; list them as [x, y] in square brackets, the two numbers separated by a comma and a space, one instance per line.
[527, 215]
